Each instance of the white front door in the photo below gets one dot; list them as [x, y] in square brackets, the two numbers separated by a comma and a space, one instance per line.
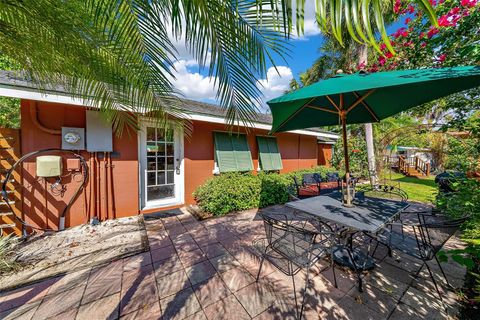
[161, 167]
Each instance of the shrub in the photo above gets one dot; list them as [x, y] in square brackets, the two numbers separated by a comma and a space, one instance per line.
[241, 191]
[228, 192]
[465, 199]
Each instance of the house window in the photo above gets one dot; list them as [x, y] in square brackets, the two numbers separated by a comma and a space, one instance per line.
[268, 154]
[232, 152]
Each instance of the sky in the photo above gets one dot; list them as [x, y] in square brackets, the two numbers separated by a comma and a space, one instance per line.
[194, 83]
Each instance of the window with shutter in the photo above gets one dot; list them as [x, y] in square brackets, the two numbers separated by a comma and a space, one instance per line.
[268, 153]
[232, 152]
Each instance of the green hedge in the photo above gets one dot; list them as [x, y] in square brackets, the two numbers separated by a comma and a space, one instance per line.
[241, 191]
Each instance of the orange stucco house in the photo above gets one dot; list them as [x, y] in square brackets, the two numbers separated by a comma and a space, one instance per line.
[138, 172]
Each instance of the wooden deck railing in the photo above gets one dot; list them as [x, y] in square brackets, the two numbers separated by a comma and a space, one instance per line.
[415, 164]
[422, 166]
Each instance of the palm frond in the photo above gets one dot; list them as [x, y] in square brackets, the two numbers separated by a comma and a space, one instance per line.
[356, 15]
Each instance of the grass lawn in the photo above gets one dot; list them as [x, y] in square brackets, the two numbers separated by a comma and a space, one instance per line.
[418, 189]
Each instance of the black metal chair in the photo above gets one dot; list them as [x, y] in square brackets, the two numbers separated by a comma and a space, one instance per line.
[309, 187]
[383, 191]
[291, 248]
[427, 234]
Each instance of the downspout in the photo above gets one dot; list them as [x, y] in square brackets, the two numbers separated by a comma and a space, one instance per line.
[36, 122]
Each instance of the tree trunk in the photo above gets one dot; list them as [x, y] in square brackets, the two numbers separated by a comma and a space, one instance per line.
[372, 168]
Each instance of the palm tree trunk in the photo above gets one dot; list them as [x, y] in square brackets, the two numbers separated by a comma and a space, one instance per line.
[372, 169]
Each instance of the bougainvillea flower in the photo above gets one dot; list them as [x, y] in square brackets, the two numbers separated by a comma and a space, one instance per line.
[431, 32]
[443, 21]
[442, 58]
[407, 21]
[455, 10]
[381, 60]
[411, 9]
[468, 3]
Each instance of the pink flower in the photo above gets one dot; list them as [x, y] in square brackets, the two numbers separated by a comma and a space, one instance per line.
[396, 6]
[408, 44]
[407, 20]
[468, 3]
[455, 10]
[431, 32]
[383, 46]
[433, 2]
[410, 9]
[423, 44]
[444, 22]
[442, 58]
[389, 55]
[361, 66]
[381, 60]
[421, 35]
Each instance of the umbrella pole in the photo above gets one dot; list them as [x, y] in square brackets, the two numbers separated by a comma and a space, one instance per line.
[343, 119]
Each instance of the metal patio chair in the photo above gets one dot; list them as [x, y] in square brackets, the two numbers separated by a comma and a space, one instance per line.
[383, 191]
[427, 234]
[309, 187]
[291, 248]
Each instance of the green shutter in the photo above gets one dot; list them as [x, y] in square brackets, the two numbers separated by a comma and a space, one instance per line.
[269, 154]
[232, 152]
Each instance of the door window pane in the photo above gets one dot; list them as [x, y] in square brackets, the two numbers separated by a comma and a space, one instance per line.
[151, 178]
[170, 149]
[170, 176]
[161, 163]
[151, 163]
[170, 163]
[161, 177]
[151, 134]
[160, 192]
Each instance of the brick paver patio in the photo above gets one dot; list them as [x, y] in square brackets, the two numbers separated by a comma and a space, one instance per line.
[207, 270]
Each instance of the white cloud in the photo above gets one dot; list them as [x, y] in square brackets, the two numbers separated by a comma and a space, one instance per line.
[276, 82]
[191, 84]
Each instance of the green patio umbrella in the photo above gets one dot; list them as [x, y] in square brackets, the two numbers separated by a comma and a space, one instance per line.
[366, 97]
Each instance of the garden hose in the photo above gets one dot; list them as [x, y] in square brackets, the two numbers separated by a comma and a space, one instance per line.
[69, 204]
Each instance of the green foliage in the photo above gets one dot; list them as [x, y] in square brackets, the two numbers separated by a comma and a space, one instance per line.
[9, 107]
[7, 245]
[357, 149]
[235, 191]
[465, 199]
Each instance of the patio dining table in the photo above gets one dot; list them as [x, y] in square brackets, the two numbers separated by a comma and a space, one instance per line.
[368, 215]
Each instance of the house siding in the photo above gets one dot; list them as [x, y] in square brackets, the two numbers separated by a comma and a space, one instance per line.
[325, 153]
[125, 170]
[297, 151]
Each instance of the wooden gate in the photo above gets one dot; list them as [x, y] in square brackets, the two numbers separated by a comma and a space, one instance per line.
[9, 154]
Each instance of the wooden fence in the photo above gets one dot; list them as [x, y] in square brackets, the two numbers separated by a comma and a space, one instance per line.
[9, 154]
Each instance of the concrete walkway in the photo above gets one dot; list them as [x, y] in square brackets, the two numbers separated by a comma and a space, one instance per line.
[206, 270]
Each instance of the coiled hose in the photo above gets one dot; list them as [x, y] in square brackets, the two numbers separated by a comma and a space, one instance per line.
[69, 204]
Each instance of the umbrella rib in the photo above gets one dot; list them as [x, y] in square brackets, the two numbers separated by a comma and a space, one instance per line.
[333, 103]
[366, 105]
[322, 109]
[359, 99]
[294, 114]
